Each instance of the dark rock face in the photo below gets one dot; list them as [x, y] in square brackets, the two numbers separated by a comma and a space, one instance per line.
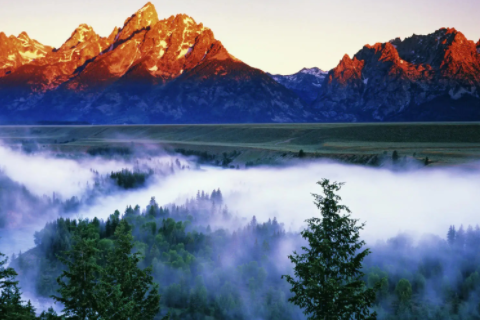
[306, 83]
[421, 75]
[149, 71]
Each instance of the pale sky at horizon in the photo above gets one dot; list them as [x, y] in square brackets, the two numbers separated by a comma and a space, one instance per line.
[277, 36]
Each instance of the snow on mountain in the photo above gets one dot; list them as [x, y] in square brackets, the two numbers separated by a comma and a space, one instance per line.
[305, 83]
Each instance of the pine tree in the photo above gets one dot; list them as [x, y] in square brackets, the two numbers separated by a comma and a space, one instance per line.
[79, 282]
[327, 282]
[460, 238]
[11, 304]
[451, 235]
[395, 156]
[50, 314]
[127, 292]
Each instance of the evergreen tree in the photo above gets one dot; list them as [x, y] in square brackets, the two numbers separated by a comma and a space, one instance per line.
[327, 281]
[11, 304]
[395, 156]
[451, 235]
[79, 282]
[460, 238]
[127, 292]
[50, 314]
[403, 290]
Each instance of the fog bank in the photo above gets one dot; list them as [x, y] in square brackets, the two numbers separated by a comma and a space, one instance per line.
[419, 201]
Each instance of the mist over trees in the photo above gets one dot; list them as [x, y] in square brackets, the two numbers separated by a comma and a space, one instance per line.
[16, 198]
[203, 260]
[207, 269]
[203, 272]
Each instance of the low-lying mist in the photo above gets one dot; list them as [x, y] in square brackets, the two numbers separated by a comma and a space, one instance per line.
[228, 247]
[417, 201]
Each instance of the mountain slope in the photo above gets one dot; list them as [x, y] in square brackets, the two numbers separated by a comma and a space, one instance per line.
[18, 51]
[149, 71]
[305, 83]
[406, 80]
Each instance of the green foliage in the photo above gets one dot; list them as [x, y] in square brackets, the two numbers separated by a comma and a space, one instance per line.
[102, 279]
[327, 281]
[127, 292]
[403, 290]
[127, 179]
[79, 290]
[11, 305]
[378, 279]
[203, 273]
[50, 314]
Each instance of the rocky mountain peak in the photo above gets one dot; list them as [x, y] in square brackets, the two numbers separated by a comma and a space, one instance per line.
[18, 51]
[313, 71]
[346, 70]
[145, 17]
[111, 38]
[82, 33]
[305, 83]
[389, 78]
[24, 37]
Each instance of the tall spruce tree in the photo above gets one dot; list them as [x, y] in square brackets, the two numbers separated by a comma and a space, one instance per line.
[11, 305]
[106, 284]
[451, 235]
[327, 282]
[127, 292]
[79, 290]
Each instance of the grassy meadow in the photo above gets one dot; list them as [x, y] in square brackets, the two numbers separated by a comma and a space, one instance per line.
[443, 143]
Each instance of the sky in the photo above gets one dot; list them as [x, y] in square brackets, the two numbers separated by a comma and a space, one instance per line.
[277, 36]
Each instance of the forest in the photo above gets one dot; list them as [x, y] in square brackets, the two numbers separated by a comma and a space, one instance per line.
[206, 271]
[229, 252]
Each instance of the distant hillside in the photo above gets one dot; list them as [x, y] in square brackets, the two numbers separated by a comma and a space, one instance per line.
[306, 83]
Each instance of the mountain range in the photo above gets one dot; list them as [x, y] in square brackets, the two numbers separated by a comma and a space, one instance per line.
[421, 78]
[175, 71]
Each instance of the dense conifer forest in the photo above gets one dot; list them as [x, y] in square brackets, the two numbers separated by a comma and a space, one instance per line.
[209, 264]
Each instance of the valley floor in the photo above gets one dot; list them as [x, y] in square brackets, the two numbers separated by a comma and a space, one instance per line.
[442, 143]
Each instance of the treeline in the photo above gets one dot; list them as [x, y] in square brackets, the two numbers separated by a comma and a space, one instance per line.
[209, 267]
[15, 197]
[436, 278]
[203, 157]
[203, 272]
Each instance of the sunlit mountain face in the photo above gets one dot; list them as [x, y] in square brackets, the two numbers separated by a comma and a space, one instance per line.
[432, 77]
[150, 70]
[174, 71]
